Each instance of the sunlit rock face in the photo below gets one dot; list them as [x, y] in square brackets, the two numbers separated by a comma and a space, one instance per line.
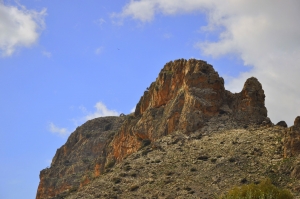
[187, 96]
[80, 159]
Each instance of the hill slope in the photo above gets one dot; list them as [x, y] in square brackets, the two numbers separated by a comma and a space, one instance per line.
[188, 100]
[199, 166]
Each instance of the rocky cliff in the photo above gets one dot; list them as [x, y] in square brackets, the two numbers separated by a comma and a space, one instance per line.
[187, 97]
[199, 166]
[81, 159]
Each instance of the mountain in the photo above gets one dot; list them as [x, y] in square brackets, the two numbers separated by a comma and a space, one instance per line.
[188, 138]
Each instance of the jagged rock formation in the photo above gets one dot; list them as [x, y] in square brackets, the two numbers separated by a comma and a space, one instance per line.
[187, 97]
[199, 166]
[282, 123]
[83, 156]
[292, 140]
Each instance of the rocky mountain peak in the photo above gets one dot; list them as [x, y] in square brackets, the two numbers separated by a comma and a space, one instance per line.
[180, 78]
[188, 96]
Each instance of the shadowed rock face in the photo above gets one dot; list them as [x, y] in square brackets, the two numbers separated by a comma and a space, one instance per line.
[80, 159]
[188, 96]
[282, 123]
[292, 140]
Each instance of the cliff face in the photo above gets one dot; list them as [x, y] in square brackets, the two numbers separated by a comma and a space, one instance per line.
[292, 140]
[188, 96]
[199, 165]
[82, 158]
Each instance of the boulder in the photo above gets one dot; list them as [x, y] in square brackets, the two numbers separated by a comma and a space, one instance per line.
[282, 123]
[292, 140]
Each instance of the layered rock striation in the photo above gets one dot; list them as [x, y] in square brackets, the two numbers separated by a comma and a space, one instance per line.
[188, 96]
[82, 158]
[198, 166]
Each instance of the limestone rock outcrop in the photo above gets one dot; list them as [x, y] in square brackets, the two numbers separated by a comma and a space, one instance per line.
[199, 166]
[187, 96]
[82, 158]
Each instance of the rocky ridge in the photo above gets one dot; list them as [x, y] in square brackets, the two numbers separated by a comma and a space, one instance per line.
[199, 166]
[83, 155]
[188, 98]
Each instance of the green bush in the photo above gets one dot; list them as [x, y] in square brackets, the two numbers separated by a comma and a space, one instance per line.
[264, 190]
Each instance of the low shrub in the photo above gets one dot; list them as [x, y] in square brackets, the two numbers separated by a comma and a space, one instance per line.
[263, 190]
[110, 163]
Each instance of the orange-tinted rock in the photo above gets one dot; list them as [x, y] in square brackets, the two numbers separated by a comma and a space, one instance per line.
[84, 182]
[81, 158]
[97, 170]
[187, 96]
[292, 140]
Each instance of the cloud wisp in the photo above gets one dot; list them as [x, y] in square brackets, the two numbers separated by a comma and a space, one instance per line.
[101, 111]
[99, 50]
[47, 54]
[19, 27]
[255, 32]
[100, 22]
[132, 110]
[57, 130]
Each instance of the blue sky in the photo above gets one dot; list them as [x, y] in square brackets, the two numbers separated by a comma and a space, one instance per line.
[64, 62]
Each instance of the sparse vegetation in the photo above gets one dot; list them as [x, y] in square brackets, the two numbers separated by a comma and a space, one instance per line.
[168, 72]
[110, 164]
[263, 190]
[67, 163]
[116, 180]
[145, 143]
[85, 160]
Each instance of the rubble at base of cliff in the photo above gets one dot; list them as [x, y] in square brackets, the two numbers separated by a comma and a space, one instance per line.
[199, 165]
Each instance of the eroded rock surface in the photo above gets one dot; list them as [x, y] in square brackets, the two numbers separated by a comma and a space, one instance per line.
[292, 139]
[81, 159]
[199, 166]
[188, 96]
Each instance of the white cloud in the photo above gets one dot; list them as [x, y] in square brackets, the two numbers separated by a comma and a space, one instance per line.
[83, 109]
[47, 54]
[101, 111]
[167, 35]
[99, 50]
[145, 10]
[263, 34]
[19, 27]
[100, 21]
[57, 130]
[48, 162]
[132, 110]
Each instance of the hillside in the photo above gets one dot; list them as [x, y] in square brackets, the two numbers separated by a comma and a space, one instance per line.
[199, 166]
[188, 138]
